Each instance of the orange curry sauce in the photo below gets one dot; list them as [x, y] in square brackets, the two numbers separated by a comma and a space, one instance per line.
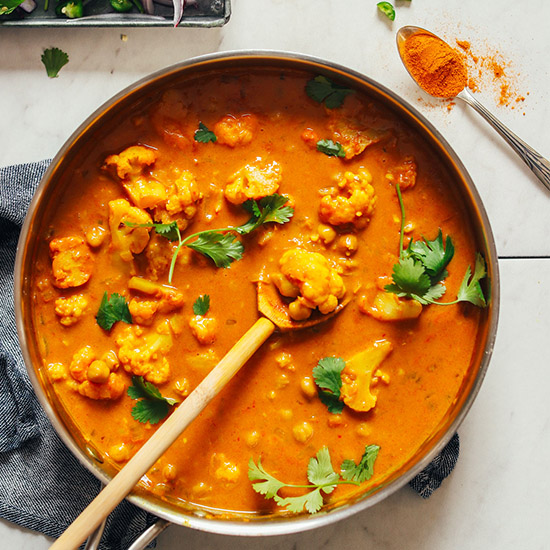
[270, 410]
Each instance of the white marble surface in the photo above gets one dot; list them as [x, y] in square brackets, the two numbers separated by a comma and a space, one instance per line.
[497, 497]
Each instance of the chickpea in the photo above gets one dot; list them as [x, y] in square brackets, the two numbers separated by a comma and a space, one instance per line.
[348, 244]
[120, 452]
[335, 420]
[182, 386]
[326, 233]
[98, 372]
[302, 432]
[111, 360]
[252, 438]
[95, 236]
[282, 381]
[286, 414]
[308, 387]
[285, 287]
[298, 311]
[363, 429]
[169, 472]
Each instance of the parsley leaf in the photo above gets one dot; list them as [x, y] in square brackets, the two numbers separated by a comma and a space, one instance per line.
[54, 59]
[327, 377]
[222, 249]
[320, 474]
[387, 9]
[270, 209]
[152, 407]
[111, 310]
[471, 291]
[201, 305]
[364, 470]
[204, 135]
[322, 89]
[331, 148]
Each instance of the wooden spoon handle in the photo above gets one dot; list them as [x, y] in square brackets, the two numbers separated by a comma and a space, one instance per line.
[153, 449]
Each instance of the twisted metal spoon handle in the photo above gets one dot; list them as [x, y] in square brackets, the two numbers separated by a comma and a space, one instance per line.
[536, 162]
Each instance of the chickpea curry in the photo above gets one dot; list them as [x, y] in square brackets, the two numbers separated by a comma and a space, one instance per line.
[213, 190]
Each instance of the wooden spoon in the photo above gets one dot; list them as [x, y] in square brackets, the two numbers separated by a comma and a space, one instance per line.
[273, 307]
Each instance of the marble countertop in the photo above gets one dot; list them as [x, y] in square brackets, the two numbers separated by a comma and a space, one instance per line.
[497, 497]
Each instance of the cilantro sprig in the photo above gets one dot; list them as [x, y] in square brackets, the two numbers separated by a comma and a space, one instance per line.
[220, 245]
[111, 310]
[201, 305]
[321, 89]
[331, 148]
[151, 407]
[422, 269]
[327, 376]
[54, 59]
[204, 135]
[321, 476]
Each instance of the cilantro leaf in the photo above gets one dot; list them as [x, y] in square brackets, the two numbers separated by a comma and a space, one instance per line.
[409, 279]
[322, 478]
[321, 472]
[8, 6]
[201, 305]
[222, 249]
[387, 9]
[364, 470]
[322, 89]
[168, 230]
[433, 256]
[152, 407]
[270, 209]
[54, 59]
[327, 376]
[470, 290]
[111, 310]
[204, 135]
[331, 148]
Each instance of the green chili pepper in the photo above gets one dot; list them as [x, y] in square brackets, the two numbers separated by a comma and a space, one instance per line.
[387, 9]
[69, 8]
[121, 6]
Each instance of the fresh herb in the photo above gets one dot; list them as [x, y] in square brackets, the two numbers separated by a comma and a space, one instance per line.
[8, 6]
[387, 9]
[331, 148]
[220, 245]
[327, 376]
[204, 135]
[270, 209]
[111, 310]
[320, 474]
[322, 89]
[151, 407]
[54, 59]
[201, 305]
[421, 270]
[364, 470]
[123, 6]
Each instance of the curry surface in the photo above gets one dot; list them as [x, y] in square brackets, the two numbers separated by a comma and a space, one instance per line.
[263, 407]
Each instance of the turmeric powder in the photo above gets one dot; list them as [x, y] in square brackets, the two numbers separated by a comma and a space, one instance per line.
[437, 68]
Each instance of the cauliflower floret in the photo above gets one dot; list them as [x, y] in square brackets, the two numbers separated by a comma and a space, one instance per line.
[142, 311]
[353, 136]
[352, 203]
[253, 181]
[71, 261]
[132, 161]
[357, 376]
[203, 328]
[236, 130]
[224, 469]
[387, 306]
[128, 240]
[404, 174]
[144, 353]
[70, 310]
[317, 282]
[182, 198]
[95, 377]
[168, 297]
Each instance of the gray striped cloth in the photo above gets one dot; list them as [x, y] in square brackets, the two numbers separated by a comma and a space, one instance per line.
[42, 485]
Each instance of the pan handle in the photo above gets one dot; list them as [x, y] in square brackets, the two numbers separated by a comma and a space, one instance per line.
[152, 532]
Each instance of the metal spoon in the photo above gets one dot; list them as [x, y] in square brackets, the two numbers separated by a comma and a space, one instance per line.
[536, 162]
[184, 414]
